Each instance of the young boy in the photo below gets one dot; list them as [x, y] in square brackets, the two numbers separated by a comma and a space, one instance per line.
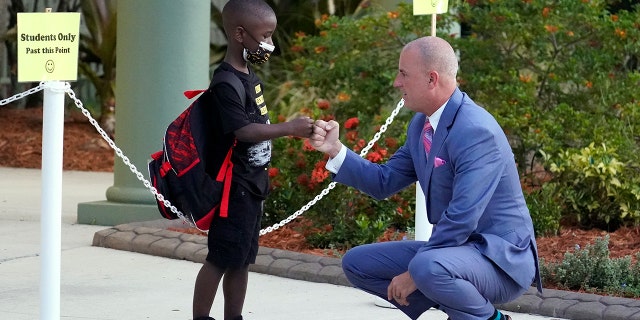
[233, 241]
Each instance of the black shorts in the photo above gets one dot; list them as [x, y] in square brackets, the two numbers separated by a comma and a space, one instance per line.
[233, 241]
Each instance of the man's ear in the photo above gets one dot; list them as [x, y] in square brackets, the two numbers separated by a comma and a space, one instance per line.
[432, 78]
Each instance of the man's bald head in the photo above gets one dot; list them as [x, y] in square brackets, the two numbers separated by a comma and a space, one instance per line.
[427, 70]
[436, 54]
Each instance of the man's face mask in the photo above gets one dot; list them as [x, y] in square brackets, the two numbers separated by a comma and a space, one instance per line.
[261, 55]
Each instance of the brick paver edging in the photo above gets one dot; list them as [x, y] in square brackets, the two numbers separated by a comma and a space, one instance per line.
[153, 238]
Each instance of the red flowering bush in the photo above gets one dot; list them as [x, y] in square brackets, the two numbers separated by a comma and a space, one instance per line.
[344, 72]
[351, 123]
[298, 175]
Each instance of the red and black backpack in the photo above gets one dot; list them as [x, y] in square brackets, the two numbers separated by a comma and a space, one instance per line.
[178, 170]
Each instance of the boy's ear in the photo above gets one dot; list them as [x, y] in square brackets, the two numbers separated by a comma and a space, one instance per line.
[237, 34]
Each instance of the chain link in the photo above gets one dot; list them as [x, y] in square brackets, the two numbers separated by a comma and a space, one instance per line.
[22, 94]
[105, 136]
[127, 162]
[189, 220]
[332, 185]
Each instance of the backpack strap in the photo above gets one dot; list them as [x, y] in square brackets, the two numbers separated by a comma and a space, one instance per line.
[222, 77]
[226, 170]
[225, 175]
[230, 78]
[190, 94]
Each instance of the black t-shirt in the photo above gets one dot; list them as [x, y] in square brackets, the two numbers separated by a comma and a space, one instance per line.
[250, 160]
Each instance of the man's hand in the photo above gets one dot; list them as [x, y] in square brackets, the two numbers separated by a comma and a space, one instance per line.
[400, 288]
[325, 137]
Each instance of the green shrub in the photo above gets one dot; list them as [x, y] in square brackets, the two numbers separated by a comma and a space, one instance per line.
[597, 189]
[560, 75]
[591, 269]
[544, 207]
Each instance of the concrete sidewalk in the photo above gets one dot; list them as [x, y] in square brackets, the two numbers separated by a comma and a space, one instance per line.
[103, 283]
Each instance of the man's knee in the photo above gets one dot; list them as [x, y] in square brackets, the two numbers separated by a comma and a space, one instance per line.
[350, 260]
[428, 272]
[354, 266]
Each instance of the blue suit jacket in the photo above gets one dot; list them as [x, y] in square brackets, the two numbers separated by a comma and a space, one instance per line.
[473, 195]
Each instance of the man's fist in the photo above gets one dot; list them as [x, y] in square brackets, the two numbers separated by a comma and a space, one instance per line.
[325, 137]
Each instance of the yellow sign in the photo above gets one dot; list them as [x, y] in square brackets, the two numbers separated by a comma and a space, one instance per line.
[430, 6]
[48, 46]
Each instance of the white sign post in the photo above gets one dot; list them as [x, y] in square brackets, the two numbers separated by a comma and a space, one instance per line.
[423, 7]
[51, 213]
[432, 7]
[48, 51]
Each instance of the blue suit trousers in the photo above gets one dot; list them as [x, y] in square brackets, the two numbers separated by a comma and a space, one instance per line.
[457, 280]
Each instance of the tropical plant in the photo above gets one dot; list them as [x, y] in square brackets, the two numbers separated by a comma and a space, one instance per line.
[97, 57]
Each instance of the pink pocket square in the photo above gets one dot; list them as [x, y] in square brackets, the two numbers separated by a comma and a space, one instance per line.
[438, 162]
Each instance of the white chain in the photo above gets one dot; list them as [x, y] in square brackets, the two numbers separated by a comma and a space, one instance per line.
[158, 195]
[127, 162]
[105, 136]
[332, 185]
[22, 94]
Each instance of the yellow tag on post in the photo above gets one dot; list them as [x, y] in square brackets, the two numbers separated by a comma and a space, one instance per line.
[48, 46]
[430, 6]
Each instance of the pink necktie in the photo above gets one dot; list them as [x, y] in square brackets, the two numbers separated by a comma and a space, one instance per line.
[427, 137]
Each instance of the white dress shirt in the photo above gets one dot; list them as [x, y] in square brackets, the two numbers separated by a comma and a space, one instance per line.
[334, 164]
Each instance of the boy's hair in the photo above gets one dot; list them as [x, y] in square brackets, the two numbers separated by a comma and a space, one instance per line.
[237, 12]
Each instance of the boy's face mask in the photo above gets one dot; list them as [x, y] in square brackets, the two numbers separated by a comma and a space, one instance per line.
[261, 55]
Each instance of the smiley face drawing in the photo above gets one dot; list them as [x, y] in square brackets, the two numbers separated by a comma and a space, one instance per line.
[49, 66]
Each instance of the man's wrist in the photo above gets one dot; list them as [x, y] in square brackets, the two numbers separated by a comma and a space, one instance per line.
[337, 146]
[336, 158]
